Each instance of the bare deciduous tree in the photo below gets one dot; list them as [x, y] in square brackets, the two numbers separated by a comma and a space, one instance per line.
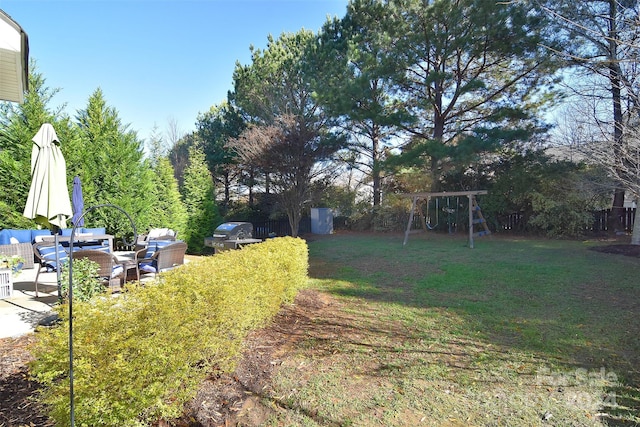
[290, 154]
[621, 162]
[602, 40]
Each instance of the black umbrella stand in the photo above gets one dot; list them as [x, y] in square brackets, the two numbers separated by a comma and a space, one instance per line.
[70, 295]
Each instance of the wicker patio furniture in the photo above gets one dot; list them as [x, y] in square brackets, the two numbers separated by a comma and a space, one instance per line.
[23, 250]
[155, 234]
[110, 271]
[157, 260]
[45, 256]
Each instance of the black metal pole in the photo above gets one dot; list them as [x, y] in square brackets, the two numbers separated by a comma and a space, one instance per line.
[58, 269]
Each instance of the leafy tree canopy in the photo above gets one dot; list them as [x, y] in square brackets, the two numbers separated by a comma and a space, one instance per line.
[290, 133]
[467, 70]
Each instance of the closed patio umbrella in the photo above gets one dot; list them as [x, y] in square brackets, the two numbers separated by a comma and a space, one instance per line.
[77, 201]
[48, 203]
[48, 200]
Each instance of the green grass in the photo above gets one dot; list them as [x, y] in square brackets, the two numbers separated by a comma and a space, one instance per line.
[435, 333]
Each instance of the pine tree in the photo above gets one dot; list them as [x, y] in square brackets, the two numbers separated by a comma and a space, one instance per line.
[19, 124]
[168, 209]
[198, 194]
[111, 166]
[474, 75]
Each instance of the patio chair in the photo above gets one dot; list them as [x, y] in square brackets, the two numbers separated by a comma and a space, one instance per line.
[158, 259]
[110, 271]
[45, 255]
[155, 234]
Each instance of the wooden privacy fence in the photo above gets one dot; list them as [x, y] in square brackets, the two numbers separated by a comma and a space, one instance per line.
[601, 219]
[514, 222]
[517, 221]
[279, 227]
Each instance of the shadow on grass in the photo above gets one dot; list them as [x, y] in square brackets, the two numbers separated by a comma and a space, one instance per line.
[555, 300]
[625, 405]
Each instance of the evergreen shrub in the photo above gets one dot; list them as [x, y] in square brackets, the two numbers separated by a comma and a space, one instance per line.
[565, 215]
[140, 356]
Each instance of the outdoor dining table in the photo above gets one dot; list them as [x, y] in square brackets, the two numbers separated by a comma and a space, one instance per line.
[129, 262]
[82, 238]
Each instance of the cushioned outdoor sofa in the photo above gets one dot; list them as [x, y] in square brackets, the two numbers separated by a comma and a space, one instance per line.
[20, 242]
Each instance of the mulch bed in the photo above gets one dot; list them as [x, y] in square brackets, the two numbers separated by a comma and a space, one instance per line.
[627, 250]
[17, 408]
[227, 399]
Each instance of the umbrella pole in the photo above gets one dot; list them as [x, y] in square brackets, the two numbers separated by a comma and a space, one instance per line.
[58, 275]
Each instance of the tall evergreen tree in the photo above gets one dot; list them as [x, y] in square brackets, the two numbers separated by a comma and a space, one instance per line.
[168, 210]
[215, 128]
[112, 168]
[18, 125]
[198, 194]
[296, 133]
[473, 74]
[352, 82]
[155, 146]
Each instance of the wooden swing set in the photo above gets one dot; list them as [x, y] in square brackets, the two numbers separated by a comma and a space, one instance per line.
[475, 214]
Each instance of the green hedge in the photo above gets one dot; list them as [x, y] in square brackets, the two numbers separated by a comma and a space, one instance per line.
[140, 356]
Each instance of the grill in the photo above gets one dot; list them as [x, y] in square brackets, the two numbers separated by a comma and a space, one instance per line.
[231, 235]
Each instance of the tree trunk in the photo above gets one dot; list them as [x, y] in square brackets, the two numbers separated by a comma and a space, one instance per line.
[375, 171]
[615, 224]
[294, 214]
[294, 223]
[227, 189]
[617, 211]
[635, 234]
[293, 201]
[251, 183]
[438, 134]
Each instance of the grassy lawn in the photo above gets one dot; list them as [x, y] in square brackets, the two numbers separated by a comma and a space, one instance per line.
[514, 332]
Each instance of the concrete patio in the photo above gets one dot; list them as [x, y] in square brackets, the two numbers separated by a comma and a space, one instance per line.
[21, 313]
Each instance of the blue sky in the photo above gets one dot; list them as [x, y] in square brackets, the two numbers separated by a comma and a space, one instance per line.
[154, 60]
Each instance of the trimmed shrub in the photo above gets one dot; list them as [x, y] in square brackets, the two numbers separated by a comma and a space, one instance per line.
[140, 356]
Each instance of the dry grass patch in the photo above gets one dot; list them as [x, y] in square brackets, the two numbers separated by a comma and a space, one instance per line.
[354, 367]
